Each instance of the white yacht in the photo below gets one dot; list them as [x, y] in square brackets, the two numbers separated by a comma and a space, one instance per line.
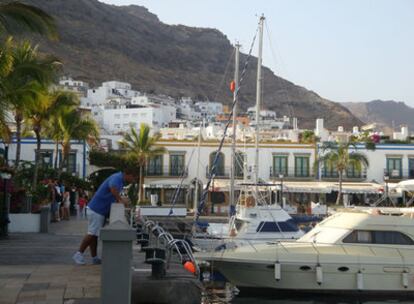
[345, 253]
[252, 224]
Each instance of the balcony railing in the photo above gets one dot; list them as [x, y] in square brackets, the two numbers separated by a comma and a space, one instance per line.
[291, 172]
[166, 171]
[224, 172]
[398, 174]
[349, 175]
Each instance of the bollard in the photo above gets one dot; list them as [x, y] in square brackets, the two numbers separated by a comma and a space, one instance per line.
[116, 269]
[44, 219]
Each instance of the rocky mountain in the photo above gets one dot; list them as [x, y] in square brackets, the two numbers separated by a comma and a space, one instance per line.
[386, 113]
[100, 42]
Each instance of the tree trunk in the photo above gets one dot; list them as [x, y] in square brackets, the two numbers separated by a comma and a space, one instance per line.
[18, 119]
[339, 198]
[37, 157]
[141, 184]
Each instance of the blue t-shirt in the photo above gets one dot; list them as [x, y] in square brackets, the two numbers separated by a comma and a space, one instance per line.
[103, 198]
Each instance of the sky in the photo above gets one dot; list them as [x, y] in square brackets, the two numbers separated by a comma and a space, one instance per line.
[344, 50]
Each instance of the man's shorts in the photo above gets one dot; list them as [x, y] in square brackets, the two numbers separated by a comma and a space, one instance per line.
[95, 222]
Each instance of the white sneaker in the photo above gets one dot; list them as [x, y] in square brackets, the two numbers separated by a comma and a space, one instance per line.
[78, 258]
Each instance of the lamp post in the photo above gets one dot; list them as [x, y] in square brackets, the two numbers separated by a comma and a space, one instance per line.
[281, 188]
[386, 178]
[4, 217]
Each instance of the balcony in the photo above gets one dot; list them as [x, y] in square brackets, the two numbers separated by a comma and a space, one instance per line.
[292, 173]
[399, 174]
[166, 172]
[349, 175]
[224, 173]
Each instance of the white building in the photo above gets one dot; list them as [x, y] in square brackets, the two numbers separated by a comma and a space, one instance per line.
[77, 86]
[107, 91]
[402, 135]
[209, 109]
[78, 155]
[121, 118]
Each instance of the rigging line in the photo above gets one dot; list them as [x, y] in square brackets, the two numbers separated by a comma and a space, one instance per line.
[216, 157]
[223, 78]
[284, 88]
[177, 190]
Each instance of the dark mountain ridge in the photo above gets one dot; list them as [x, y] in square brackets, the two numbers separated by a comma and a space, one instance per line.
[100, 42]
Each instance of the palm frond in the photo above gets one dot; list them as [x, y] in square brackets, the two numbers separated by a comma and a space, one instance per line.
[16, 17]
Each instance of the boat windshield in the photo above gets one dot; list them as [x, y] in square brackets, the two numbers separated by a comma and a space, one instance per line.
[326, 235]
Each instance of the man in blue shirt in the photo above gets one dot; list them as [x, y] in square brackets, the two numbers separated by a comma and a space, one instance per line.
[99, 208]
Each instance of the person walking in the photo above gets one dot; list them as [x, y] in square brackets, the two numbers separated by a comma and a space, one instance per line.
[66, 205]
[99, 208]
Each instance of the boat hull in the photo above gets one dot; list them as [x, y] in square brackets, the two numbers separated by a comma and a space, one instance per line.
[366, 279]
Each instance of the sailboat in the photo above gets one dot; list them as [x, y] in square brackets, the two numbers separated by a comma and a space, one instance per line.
[256, 220]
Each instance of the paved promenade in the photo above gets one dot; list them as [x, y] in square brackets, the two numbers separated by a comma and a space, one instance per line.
[38, 268]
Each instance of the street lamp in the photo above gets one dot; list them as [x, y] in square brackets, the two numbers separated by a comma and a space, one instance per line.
[281, 188]
[386, 179]
[4, 217]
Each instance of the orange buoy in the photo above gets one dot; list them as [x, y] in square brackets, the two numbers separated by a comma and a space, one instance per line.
[190, 267]
[232, 86]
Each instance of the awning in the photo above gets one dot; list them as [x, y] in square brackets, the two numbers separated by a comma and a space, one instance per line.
[306, 187]
[359, 188]
[165, 186]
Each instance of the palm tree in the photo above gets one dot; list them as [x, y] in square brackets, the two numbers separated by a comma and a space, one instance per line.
[49, 106]
[340, 157]
[140, 147]
[6, 65]
[74, 126]
[17, 17]
[22, 87]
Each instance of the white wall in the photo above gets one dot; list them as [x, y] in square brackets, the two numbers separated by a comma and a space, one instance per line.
[24, 222]
[28, 147]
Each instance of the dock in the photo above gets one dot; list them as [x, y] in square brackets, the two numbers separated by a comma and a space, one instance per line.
[38, 268]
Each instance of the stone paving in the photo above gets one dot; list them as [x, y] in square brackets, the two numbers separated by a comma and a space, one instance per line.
[38, 268]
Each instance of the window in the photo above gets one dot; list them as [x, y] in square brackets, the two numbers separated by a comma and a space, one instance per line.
[219, 164]
[329, 170]
[70, 161]
[117, 126]
[177, 164]
[280, 165]
[169, 196]
[46, 158]
[134, 115]
[154, 166]
[394, 167]
[302, 166]
[126, 115]
[117, 116]
[411, 168]
[352, 171]
[378, 237]
[288, 226]
[239, 164]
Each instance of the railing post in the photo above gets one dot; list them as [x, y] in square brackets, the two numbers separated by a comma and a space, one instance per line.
[116, 270]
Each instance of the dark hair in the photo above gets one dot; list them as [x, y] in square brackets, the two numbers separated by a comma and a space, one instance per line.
[130, 171]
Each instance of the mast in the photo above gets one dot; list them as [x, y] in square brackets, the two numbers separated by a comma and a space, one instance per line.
[197, 190]
[258, 102]
[233, 143]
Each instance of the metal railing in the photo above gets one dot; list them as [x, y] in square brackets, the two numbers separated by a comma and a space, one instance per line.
[350, 175]
[224, 172]
[398, 174]
[166, 171]
[292, 172]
